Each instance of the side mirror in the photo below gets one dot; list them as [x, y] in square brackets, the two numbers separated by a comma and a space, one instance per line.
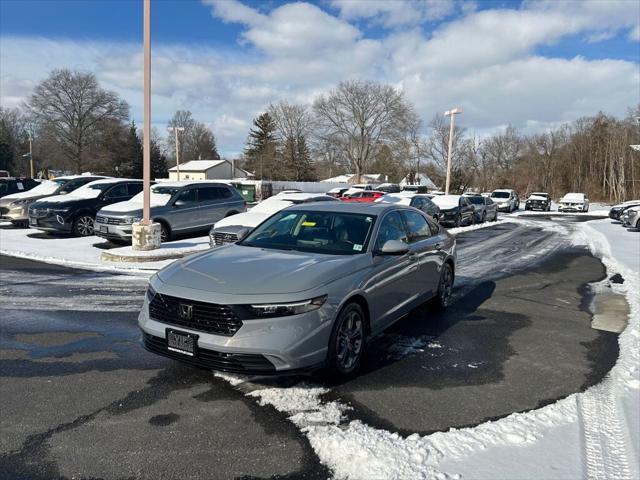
[179, 203]
[242, 234]
[394, 247]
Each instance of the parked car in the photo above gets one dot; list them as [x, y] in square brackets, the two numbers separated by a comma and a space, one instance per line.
[618, 210]
[9, 186]
[4, 174]
[15, 207]
[538, 201]
[179, 207]
[306, 289]
[75, 212]
[506, 199]
[226, 230]
[455, 210]
[388, 188]
[486, 194]
[415, 200]
[415, 188]
[631, 217]
[363, 186]
[484, 208]
[574, 202]
[363, 196]
[337, 192]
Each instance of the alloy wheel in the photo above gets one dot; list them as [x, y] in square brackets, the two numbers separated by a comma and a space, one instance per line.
[84, 225]
[446, 286]
[349, 340]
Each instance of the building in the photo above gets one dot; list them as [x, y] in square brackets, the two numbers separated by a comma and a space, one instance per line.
[207, 170]
[418, 179]
[350, 178]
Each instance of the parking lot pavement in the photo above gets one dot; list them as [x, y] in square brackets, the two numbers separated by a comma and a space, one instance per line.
[80, 397]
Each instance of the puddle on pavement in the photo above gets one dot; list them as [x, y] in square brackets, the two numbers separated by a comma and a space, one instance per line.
[609, 309]
[54, 338]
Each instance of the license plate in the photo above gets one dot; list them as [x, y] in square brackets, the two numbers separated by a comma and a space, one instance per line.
[182, 342]
[104, 229]
[33, 221]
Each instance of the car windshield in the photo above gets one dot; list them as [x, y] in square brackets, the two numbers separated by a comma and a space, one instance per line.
[500, 195]
[478, 200]
[90, 191]
[48, 186]
[446, 201]
[332, 233]
[160, 195]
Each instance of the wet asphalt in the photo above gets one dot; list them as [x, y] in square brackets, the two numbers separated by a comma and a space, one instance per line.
[81, 399]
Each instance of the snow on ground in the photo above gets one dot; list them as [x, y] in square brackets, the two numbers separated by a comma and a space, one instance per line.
[477, 226]
[79, 252]
[594, 434]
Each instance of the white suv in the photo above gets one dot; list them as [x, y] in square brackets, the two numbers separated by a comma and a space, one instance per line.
[506, 199]
[574, 202]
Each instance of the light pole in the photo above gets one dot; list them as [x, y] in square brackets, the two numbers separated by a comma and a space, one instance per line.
[30, 154]
[451, 113]
[146, 129]
[176, 130]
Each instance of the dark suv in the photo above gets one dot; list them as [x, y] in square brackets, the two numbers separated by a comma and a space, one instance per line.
[75, 212]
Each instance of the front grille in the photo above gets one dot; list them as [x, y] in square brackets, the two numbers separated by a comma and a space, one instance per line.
[108, 220]
[205, 317]
[4, 210]
[227, 362]
[38, 212]
[221, 238]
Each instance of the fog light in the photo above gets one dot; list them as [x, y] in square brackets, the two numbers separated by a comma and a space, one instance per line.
[60, 219]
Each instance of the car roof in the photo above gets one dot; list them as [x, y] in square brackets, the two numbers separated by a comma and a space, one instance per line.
[298, 196]
[187, 183]
[113, 180]
[76, 177]
[504, 190]
[346, 207]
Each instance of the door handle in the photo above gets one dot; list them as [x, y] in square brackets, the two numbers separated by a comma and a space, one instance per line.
[438, 246]
[413, 257]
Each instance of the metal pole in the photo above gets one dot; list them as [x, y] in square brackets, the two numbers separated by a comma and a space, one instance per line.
[146, 156]
[175, 129]
[31, 154]
[446, 190]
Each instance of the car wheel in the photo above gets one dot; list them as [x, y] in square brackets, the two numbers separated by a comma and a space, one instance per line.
[165, 233]
[83, 226]
[347, 342]
[457, 221]
[445, 288]
[484, 217]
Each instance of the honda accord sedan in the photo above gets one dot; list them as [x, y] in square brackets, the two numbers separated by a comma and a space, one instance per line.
[305, 289]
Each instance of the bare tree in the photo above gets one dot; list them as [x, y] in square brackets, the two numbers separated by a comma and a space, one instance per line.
[362, 117]
[73, 106]
[195, 142]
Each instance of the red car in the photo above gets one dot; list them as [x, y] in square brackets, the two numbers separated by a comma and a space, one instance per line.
[364, 196]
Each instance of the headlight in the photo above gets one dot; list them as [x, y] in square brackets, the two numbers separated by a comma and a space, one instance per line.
[130, 220]
[17, 203]
[270, 310]
[150, 293]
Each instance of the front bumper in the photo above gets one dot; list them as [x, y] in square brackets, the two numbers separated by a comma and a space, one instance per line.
[259, 346]
[536, 206]
[570, 208]
[15, 214]
[50, 222]
[504, 207]
[113, 232]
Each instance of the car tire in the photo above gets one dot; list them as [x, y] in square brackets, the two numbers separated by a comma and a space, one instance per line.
[83, 226]
[495, 216]
[20, 223]
[445, 287]
[165, 233]
[457, 221]
[347, 342]
[484, 217]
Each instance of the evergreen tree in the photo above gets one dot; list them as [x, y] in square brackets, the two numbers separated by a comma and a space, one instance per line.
[134, 153]
[301, 167]
[158, 161]
[262, 152]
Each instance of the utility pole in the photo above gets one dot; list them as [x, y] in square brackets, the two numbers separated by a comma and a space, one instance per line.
[31, 154]
[176, 130]
[450, 113]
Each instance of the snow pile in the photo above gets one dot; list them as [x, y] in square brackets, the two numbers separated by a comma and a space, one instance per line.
[477, 226]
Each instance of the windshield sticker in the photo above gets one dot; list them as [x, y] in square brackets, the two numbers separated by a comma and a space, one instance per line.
[308, 224]
[20, 186]
[357, 247]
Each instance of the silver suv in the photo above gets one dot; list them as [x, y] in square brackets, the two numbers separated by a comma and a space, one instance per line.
[179, 207]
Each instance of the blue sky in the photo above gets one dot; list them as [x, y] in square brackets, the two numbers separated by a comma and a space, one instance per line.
[532, 64]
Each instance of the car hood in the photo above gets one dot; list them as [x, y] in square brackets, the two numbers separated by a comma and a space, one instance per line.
[240, 270]
[63, 201]
[538, 198]
[21, 196]
[247, 219]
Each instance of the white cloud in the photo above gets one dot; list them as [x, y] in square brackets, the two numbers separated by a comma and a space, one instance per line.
[634, 34]
[394, 13]
[483, 60]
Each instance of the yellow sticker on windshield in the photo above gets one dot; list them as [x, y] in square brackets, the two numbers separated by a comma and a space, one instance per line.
[308, 224]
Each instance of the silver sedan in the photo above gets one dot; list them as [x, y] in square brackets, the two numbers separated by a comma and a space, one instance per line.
[305, 289]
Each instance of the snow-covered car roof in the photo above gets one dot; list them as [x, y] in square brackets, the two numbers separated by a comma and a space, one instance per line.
[446, 201]
[627, 203]
[533, 196]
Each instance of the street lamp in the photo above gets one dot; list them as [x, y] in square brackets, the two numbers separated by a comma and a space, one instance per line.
[30, 154]
[451, 113]
[176, 130]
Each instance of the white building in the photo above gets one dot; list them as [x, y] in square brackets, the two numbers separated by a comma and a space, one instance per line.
[207, 170]
[420, 179]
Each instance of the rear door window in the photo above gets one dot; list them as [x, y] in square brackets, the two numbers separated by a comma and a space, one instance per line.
[119, 191]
